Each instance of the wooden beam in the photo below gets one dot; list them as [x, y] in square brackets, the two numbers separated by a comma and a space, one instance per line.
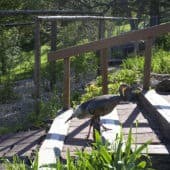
[43, 12]
[17, 24]
[37, 66]
[110, 42]
[66, 84]
[104, 69]
[147, 64]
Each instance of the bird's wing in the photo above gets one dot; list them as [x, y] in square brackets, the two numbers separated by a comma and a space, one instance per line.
[102, 105]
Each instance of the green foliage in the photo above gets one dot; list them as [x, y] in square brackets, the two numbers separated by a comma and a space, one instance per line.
[91, 91]
[9, 51]
[16, 164]
[84, 65]
[131, 72]
[115, 79]
[164, 42]
[161, 62]
[134, 63]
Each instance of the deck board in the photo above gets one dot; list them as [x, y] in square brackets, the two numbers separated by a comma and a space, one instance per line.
[145, 131]
[76, 137]
[22, 143]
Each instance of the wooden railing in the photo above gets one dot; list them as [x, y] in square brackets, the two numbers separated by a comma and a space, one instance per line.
[147, 35]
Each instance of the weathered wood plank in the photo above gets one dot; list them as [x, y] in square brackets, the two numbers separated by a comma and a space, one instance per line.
[53, 48]
[43, 12]
[104, 69]
[141, 129]
[76, 138]
[109, 42]
[22, 143]
[141, 138]
[66, 83]
[155, 149]
[37, 66]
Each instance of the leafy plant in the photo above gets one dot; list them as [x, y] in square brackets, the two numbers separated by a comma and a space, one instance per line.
[117, 156]
[161, 62]
[16, 164]
[134, 63]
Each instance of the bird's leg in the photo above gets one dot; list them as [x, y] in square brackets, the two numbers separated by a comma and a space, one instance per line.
[96, 126]
[104, 127]
[91, 123]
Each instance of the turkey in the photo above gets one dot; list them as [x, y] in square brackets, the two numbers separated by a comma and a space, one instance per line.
[100, 106]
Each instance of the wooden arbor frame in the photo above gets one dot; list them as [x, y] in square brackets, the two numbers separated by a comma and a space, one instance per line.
[103, 44]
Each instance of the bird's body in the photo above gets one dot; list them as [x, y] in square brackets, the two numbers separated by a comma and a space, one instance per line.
[100, 106]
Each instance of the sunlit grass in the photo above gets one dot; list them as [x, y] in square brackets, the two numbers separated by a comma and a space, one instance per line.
[25, 68]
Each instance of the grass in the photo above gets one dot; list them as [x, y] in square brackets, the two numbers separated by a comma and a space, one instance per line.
[25, 68]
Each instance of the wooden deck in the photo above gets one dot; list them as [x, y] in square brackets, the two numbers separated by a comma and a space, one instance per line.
[23, 144]
[76, 138]
[130, 116]
[143, 130]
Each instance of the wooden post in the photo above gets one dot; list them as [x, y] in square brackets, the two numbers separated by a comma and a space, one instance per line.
[147, 64]
[104, 69]
[66, 83]
[101, 29]
[101, 36]
[37, 66]
[103, 65]
[53, 48]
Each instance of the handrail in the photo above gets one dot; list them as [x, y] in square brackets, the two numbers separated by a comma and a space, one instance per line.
[110, 42]
[102, 45]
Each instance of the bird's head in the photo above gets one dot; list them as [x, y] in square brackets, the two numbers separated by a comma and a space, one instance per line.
[129, 93]
[76, 113]
[125, 92]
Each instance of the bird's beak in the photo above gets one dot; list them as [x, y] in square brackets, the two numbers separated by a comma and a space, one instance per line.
[69, 119]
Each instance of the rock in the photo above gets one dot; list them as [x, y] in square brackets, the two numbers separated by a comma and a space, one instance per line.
[163, 86]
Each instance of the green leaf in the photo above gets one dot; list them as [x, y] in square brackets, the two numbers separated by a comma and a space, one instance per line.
[142, 164]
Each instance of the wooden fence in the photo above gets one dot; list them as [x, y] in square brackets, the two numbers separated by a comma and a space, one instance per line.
[103, 45]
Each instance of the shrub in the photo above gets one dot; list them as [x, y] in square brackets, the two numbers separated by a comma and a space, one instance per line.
[161, 62]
